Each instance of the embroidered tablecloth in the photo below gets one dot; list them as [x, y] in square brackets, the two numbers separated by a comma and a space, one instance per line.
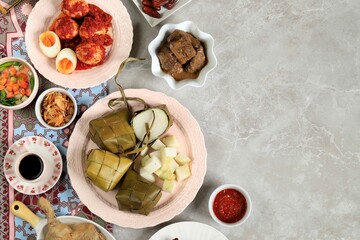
[17, 124]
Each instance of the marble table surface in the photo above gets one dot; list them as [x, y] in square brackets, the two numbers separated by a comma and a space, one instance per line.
[280, 113]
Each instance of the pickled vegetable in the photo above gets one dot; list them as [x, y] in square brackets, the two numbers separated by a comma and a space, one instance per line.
[16, 83]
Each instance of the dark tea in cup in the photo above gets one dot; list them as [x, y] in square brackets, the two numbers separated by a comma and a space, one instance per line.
[31, 167]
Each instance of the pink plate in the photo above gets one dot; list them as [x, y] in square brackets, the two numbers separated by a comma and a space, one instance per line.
[103, 204]
[40, 18]
[52, 165]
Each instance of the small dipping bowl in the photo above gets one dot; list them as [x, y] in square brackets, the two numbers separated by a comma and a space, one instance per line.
[38, 111]
[230, 205]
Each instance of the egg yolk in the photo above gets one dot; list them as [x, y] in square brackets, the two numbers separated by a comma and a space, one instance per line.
[65, 65]
[47, 39]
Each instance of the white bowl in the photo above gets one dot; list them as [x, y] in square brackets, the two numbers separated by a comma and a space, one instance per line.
[239, 189]
[205, 38]
[36, 83]
[40, 100]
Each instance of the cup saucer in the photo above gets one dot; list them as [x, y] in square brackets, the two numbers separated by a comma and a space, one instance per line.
[50, 156]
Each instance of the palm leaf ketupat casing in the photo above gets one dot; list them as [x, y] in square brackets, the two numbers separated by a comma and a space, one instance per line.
[105, 169]
[113, 132]
[136, 194]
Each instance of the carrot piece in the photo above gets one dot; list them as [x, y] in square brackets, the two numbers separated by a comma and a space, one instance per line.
[28, 92]
[25, 70]
[23, 76]
[5, 73]
[10, 95]
[9, 82]
[22, 91]
[22, 84]
[12, 70]
[3, 81]
[16, 87]
[16, 92]
[2, 87]
[9, 88]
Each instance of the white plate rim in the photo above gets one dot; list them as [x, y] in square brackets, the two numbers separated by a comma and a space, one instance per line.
[181, 230]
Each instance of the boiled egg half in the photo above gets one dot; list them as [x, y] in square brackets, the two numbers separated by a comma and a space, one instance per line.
[49, 43]
[66, 61]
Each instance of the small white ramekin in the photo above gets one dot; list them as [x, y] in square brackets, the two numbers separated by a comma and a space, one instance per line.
[40, 100]
[243, 192]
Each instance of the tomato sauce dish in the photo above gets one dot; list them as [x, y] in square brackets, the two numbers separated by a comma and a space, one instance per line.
[230, 205]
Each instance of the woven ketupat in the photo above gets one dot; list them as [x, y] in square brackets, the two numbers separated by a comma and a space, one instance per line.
[105, 169]
[137, 195]
[113, 131]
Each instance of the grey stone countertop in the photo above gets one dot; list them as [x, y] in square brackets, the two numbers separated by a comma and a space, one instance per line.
[280, 113]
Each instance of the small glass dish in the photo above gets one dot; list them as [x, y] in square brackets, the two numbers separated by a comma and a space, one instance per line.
[220, 207]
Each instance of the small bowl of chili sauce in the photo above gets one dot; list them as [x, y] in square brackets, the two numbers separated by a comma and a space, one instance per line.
[230, 205]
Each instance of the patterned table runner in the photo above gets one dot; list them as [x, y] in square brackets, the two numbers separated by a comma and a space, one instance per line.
[17, 124]
[4, 186]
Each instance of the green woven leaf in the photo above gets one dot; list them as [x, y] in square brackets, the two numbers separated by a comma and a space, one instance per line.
[137, 195]
[105, 169]
[113, 131]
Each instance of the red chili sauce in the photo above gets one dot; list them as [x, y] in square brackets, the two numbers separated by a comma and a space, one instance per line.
[100, 15]
[70, 43]
[83, 66]
[76, 9]
[229, 205]
[102, 40]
